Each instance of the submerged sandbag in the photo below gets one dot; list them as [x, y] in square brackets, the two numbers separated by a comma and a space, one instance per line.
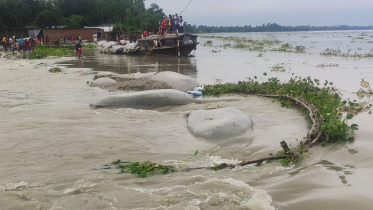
[104, 46]
[218, 123]
[116, 49]
[101, 43]
[146, 99]
[177, 81]
[131, 47]
[103, 82]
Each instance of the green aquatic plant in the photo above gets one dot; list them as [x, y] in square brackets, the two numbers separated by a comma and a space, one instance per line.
[208, 43]
[300, 49]
[292, 154]
[338, 53]
[248, 44]
[55, 70]
[143, 169]
[42, 51]
[326, 65]
[278, 68]
[89, 46]
[226, 45]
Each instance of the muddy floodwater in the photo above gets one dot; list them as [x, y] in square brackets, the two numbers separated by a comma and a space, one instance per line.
[55, 150]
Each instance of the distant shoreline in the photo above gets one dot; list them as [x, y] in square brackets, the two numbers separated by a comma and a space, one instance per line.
[280, 31]
[270, 28]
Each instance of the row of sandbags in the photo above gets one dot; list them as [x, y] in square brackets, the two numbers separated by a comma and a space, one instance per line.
[117, 47]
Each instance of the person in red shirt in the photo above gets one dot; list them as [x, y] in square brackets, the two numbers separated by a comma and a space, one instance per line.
[163, 24]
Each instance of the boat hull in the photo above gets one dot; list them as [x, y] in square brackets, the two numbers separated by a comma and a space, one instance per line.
[169, 44]
[185, 50]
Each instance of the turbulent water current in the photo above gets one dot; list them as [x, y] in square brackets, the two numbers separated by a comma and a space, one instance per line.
[55, 151]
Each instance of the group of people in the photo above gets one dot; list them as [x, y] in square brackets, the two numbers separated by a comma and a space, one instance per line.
[172, 24]
[65, 39]
[131, 37]
[20, 45]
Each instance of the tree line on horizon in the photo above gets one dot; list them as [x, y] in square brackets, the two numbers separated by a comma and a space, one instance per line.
[127, 15]
[270, 27]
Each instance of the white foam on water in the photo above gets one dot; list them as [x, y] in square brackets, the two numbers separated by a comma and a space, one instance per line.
[18, 186]
[226, 193]
[217, 160]
[80, 188]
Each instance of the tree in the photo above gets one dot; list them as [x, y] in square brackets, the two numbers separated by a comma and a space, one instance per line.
[49, 16]
[75, 21]
[14, 13]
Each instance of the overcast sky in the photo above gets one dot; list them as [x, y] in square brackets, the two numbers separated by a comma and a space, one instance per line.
[283, 12]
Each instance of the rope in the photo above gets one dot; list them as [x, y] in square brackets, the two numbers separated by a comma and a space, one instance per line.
[167, 30]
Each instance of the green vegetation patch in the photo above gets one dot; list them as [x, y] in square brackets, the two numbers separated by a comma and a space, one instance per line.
[278, 68]
[55, 70]
[41, 51]
[89, 46]
[208, 43]
[339, 53]
[257, 45]
[143, 169]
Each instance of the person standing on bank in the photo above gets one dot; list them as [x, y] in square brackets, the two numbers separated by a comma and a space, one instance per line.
[169, 22]
[77, 46]
[173, 25]
[4, 43]
[13, 44]
[181, 23]
[177, 22]
[98, 35]
[163, 24]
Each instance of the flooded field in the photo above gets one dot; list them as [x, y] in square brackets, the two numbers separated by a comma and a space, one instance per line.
[56, 150]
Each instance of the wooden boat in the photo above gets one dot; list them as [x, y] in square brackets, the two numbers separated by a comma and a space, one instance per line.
[169, 45]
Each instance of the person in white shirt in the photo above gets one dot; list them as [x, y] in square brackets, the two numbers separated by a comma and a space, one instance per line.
[181, 23]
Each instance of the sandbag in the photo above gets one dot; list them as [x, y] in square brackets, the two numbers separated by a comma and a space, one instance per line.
[221, 123]
[146, 99]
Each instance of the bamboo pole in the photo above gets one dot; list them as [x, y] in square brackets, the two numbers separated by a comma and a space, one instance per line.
[178, 42]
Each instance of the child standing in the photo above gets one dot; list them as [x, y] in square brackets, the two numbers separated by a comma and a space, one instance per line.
[80, 53]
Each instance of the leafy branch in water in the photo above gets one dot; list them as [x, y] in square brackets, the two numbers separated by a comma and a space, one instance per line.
[287, 157]
[182, 163]
[143, 169]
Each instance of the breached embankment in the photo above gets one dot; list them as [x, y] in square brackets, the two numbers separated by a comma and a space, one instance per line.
[62, 145]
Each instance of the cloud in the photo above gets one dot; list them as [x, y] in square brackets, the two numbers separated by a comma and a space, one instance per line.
[257, 12]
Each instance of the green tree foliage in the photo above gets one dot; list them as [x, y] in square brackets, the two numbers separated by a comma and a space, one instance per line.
[128, 15]
[75, 21]
[49, 15]
[15, 13]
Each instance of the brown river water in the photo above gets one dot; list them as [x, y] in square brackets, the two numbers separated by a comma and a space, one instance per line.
[54, 149]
